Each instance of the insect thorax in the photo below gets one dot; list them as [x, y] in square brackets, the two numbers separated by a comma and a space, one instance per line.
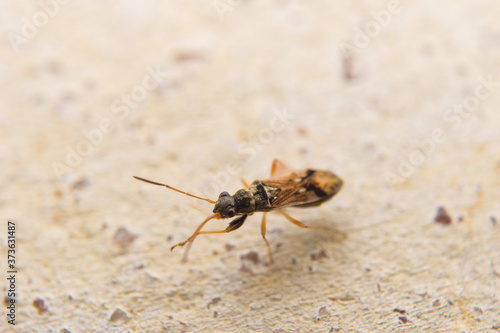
[257, 198]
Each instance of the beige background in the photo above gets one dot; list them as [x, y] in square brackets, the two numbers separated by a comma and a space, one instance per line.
[227, 69]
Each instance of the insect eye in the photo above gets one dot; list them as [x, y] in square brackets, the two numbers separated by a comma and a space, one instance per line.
[230, 212]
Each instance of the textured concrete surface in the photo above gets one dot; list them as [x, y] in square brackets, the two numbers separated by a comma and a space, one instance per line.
[401, 99]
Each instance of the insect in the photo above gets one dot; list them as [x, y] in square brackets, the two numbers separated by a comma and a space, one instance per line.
[285, 188]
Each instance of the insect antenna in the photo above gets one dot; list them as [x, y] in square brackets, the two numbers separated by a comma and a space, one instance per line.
[172, 188]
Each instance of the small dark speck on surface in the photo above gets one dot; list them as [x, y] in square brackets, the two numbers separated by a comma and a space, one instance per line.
[57, 192]
[251, 256]
[319, 255]
[214, 301]
[119, 317]
[493, 220]
[40, 305]
[189, 55]
[323, 312]
[123, 237]
[442, 216]
[302, 131]
[247, 260]
[80, 184]
[245, 268]
[7, 299]
[347, 67]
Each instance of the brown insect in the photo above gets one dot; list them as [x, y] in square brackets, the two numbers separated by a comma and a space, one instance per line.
[306, 188]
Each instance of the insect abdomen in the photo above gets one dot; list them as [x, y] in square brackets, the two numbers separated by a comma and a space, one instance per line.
[324, 184]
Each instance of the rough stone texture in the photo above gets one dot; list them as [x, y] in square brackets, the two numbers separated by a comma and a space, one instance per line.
[211, 119]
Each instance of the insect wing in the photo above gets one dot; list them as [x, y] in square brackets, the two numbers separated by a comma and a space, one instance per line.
[296, 189]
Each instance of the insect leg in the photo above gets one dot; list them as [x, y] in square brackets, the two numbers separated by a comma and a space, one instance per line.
[245, 184]
[233, 225]
[193, 236]
[278, 168]
[300, 224]
[263, 233]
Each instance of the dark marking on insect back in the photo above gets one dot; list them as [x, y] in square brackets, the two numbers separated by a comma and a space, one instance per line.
[312, 187]
[319, 192]
[308, 175]
[261, 191]
[261, 196]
